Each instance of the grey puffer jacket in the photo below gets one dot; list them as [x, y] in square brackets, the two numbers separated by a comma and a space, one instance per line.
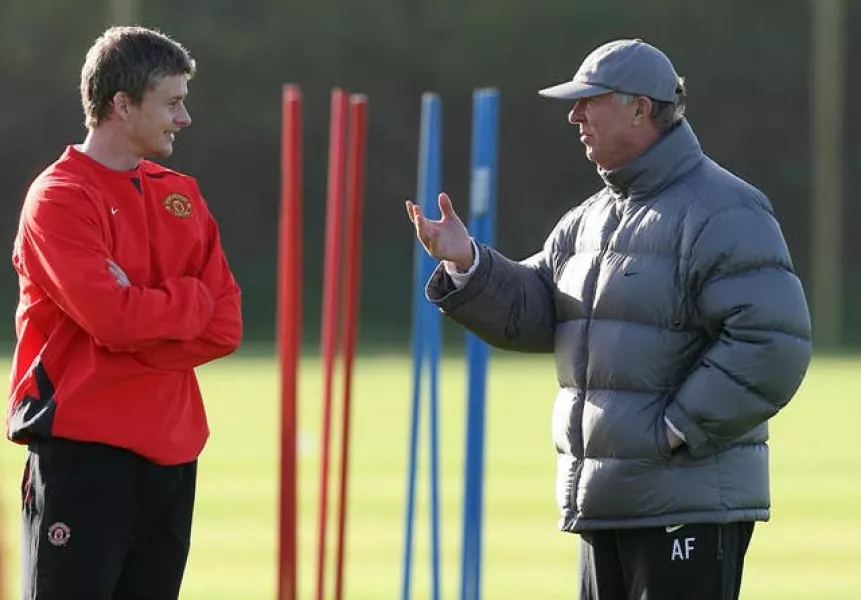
[668, 294]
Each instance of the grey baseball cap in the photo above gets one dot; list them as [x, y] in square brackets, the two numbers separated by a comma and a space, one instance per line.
[629, 66]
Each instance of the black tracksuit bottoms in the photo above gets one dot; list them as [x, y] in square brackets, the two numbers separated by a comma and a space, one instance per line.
[103, 523]
[691, 562]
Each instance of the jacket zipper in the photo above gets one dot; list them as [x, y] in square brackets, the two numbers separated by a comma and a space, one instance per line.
[605, 243]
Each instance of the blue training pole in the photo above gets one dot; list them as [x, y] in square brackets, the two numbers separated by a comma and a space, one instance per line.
[482, 223]
[433, 333]
[426, 341]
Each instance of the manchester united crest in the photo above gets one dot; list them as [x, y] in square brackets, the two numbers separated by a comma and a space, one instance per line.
[59, 534]
[178, 205]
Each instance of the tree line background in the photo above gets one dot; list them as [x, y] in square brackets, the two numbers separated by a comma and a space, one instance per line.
[747, 66]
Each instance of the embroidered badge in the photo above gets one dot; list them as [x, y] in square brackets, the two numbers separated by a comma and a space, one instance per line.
[178, 205]
[59, 534]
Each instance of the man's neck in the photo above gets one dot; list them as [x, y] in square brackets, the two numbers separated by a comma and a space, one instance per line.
[637, 148]
[106, 147]
[649, 138]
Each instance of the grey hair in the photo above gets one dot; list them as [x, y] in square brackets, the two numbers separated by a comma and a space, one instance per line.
[666, 114]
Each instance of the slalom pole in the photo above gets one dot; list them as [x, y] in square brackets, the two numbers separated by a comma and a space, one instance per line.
[482, 225]
[289, 330]
[358, 110]
[425, 328]
[329, 326]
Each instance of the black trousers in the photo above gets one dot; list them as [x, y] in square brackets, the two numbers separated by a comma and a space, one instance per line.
[693, 562]
[102, 523]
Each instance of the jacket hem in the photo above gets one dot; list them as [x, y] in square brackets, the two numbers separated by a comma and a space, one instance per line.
[575, 525]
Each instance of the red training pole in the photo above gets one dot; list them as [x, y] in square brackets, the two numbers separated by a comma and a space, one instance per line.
[289, 314]
[329, 328]
[355, 192]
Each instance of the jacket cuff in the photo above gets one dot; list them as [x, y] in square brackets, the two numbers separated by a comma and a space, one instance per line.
[460, 278]
[695, 438]
[441, 290]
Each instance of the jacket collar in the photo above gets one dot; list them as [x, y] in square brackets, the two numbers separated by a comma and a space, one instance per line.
[676, 153]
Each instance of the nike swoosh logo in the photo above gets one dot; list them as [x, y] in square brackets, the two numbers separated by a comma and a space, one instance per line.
[114, 210]
[672, 528]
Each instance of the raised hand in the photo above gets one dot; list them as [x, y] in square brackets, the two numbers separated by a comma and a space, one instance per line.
[446, 239]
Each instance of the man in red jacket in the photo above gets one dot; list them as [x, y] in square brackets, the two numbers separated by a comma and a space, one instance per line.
[124, 290]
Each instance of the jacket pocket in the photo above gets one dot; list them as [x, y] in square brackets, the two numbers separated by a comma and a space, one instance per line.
[662, 441]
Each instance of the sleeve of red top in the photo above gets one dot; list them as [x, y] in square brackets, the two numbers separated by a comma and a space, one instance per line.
[223, 333]
[63, 251]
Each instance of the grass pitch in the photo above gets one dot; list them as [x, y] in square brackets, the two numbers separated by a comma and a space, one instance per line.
[810, 550]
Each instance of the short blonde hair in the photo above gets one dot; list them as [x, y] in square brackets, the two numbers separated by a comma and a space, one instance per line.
[130, 60]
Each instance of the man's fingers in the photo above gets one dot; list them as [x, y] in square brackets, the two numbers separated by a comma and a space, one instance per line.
[416, 217]
[445, 207]
[426, 229]
[118, 273]
[421, 226]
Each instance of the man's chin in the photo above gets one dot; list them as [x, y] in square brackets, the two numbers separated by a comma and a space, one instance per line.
[590, 155]
[161, 152]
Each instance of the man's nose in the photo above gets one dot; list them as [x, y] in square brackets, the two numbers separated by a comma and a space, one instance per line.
[184, 119]
[576, 114]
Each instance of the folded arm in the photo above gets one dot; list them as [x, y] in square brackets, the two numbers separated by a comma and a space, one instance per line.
[61, 248]
[223, 332]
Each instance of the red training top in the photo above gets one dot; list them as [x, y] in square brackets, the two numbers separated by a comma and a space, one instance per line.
[124, 289]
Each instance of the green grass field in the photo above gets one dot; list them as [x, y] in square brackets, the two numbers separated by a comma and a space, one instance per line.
[810, 550]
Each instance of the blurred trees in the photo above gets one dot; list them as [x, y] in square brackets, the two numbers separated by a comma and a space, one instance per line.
[747, 65]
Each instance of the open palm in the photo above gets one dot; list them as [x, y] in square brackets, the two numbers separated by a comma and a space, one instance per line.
[446, 239]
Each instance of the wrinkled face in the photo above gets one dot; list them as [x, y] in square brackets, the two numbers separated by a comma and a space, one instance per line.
[607, 130]
[151, 126]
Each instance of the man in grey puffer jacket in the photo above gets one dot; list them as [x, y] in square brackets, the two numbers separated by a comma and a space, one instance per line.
[678, 325]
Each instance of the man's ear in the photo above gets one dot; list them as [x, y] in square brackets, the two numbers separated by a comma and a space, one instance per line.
[121, 104]
[644, 108]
